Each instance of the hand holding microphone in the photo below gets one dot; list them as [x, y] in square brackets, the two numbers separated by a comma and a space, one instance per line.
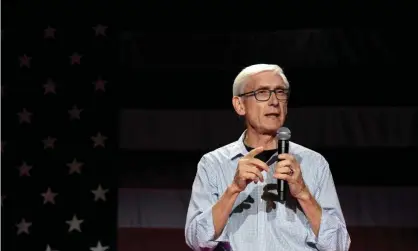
[288, 170]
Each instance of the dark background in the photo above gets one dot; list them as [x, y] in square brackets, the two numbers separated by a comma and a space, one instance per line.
[171, 55]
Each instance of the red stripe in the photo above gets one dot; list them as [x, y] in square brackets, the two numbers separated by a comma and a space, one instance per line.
[363, 239]
[137, 239]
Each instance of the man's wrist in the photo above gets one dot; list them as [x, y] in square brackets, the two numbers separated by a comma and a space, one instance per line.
[304, 195]
[233, 190]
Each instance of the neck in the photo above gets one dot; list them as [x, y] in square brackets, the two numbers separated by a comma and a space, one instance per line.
[254, 139]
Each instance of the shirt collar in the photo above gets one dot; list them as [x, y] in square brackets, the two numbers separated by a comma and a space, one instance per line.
[238, 148]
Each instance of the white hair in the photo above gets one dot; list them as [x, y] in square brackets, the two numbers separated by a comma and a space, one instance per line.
[242, 78]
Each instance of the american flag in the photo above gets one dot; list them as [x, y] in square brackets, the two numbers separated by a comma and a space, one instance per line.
[58, 137]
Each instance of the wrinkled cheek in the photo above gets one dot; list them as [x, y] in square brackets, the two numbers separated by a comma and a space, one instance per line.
[283, 108]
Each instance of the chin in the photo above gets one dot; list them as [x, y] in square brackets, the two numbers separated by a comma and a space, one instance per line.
[271, 130]
[272, 126]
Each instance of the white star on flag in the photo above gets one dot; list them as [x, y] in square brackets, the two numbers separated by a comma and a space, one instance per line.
[75, 167]
[99, 140]
[49, 196]
[48, 248]
[24, 169]
[75, 58]
[100, 30]
[25, 61]
[99, 193]
[74, 224]
[99, 84]
[99, 247]
[49, 87]
[24, 116]
[47, 150]
[23, 227]
[49, 142]
[49, 32]
[75, 113]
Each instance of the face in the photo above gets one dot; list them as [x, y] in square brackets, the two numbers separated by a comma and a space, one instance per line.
[265, 117]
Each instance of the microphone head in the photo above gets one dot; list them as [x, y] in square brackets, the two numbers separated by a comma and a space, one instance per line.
[284, 133]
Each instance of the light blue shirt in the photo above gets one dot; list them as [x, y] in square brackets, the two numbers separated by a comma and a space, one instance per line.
[254, 225]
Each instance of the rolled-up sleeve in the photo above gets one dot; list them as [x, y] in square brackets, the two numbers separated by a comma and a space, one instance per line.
[333, 234]
[199, 228]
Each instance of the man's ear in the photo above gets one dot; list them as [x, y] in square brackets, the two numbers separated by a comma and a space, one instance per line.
[238, 106]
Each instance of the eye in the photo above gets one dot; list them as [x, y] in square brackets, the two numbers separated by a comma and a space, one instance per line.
[263, 92]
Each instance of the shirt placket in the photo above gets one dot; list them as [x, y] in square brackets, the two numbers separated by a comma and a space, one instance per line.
[261, 216]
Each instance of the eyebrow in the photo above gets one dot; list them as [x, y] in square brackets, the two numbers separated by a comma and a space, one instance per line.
[265, 87]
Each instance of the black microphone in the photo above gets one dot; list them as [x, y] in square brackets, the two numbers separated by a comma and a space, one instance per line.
[283, 147]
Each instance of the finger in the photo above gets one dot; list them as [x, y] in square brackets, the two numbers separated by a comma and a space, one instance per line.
[250, 176]
[284, 163]
[284, 169]
[286, 156]
[255, 151]
[259, 164]
[282, 176]
[247, 169]
[254, 170]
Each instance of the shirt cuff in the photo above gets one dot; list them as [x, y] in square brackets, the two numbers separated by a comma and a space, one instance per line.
[206, 230]
[328, 227]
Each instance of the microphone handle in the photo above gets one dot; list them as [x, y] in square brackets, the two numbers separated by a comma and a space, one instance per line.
[282, 185]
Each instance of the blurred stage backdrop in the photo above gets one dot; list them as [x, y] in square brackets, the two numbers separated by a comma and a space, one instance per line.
[106, 112]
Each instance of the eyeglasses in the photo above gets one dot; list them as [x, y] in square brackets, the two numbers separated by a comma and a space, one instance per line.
[264, 94]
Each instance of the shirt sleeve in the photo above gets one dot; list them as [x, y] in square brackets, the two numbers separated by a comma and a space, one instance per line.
[199, 229]
[333, 234]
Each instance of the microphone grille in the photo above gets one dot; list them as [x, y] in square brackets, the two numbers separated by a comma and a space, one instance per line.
[284, 133]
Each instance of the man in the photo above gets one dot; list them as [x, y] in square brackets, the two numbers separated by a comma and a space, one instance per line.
[234, 205]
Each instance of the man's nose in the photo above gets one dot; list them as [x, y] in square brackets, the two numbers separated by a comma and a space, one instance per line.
[273, 99]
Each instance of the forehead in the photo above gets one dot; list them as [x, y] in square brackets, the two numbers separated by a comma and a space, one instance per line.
[267, 79]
